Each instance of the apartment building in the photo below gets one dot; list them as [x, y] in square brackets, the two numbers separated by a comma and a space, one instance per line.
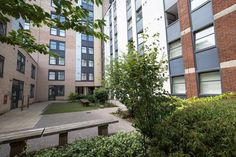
[126, 21]
[198, 36]
[77, 69]
[201, 46]
[18, 72]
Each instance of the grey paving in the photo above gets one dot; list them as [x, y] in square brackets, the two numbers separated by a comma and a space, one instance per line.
[65, 118]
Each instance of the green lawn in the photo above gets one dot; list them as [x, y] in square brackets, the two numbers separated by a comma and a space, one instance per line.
[73, 107]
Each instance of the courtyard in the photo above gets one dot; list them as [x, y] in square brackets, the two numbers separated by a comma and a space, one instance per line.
[33, 118]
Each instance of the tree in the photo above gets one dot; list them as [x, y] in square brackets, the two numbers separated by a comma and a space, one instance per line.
[137, 80]
[76, 18]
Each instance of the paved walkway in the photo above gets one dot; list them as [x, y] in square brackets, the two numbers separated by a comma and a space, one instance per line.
[19, 120]
[72, 117]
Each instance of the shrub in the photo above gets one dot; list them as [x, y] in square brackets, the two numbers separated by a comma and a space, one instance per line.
[91, 98]
[118, 145]
[200, 129]
[101, 94]
[73, 96]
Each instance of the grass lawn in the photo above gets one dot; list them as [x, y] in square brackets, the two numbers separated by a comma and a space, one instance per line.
[73, 107]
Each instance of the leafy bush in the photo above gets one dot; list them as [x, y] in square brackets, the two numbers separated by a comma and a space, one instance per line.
[91, 98]
[101, 94]
[204, 128]
[118, 145]
[73, 96]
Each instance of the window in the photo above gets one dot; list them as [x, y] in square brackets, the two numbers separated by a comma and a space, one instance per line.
[59, 90]
[139, 15]
[55, 30]
[90, 50]
[27, 25]
[140, 43]
[204, 38]
[62, 46]
[90, 77]
[178, 85]
[84, 37]
[32, 87]
[196, 3]
[52, 75]
[21, 89]
[175, 49]
[90, 38]
[3, 28]
[56, 75]
[1, 65]
[84, 49]
[59, 48]
[33, 71]
[83, 76]
[90, 14]
[52, 60]
[172, 14]
[210, 83]
[53, 45]
[84, 63]
[90, 63]
[20, 62]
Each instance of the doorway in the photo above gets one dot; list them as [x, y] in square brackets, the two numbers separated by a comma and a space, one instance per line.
[51, 93]
[17, 93]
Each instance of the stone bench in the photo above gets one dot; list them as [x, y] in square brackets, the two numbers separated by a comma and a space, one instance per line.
[18, 139]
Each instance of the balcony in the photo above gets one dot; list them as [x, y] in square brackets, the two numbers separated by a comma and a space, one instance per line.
[173, 31]
[169, 3]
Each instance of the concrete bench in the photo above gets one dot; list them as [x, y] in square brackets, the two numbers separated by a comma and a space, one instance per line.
[18, 139]
[85, 102]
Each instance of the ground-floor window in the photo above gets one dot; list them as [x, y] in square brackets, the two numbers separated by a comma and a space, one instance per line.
[210, 83]
[56, 90]
[178, 85]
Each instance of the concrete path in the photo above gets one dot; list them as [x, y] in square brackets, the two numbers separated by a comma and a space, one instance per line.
[20, 120]
[72, 117]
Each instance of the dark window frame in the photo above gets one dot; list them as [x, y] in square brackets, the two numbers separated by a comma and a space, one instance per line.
[3, 30]
[2, 61]
[61, 53]
[32, 90]
[33, 71]
[56, 88]
[56, 75]
[21, 69]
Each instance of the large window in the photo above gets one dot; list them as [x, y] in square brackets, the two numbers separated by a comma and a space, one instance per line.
[32, 89]
[197, 3]
[90, 63]
[59, 48]
[91, 77]
[204, 38]
[175, 49]
[56, 75]
[3, 28]
[90, 50]
[55, 30]
[178, 85]
[27, 25]
[210, 83]
[83, 76]
[33, 71]
[84, 49]
[20, 62]
[139, 15]
[1, 65]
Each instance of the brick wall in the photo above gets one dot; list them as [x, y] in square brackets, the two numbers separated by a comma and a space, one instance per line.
[219, 5]
[228, 76]
[225, 31]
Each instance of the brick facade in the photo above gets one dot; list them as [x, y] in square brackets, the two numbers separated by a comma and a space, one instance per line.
[225, 32]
